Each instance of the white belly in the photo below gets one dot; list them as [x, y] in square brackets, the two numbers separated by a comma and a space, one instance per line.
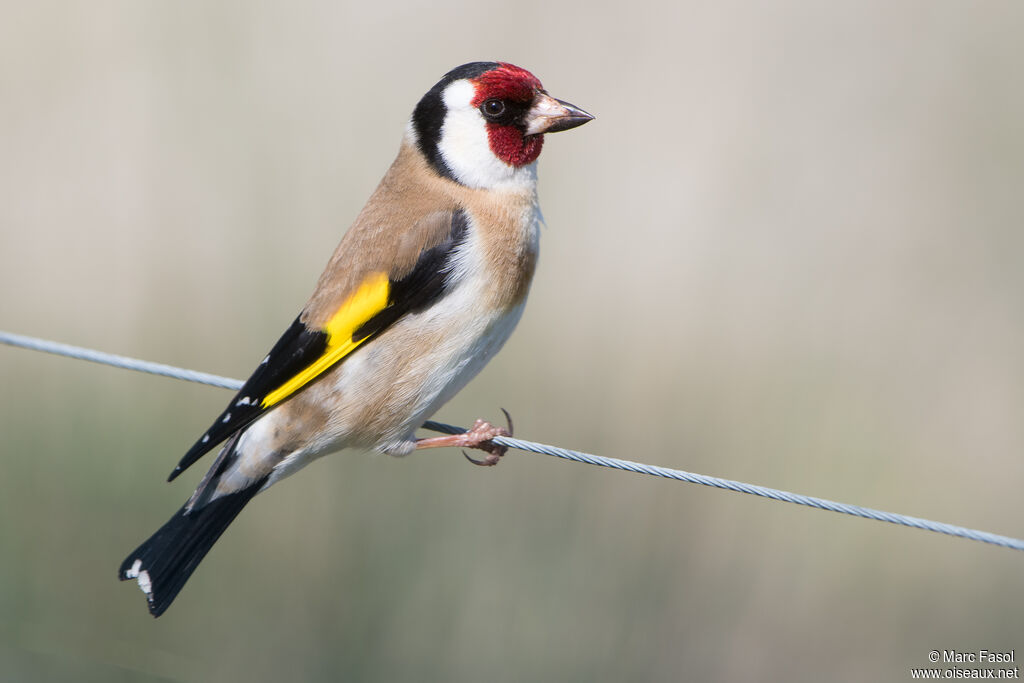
[416, 367]
[381, 394]
[392, 385]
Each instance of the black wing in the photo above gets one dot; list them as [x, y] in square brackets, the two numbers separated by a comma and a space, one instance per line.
[309, 353]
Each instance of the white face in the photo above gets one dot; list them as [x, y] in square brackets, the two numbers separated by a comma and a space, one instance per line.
[465, 148]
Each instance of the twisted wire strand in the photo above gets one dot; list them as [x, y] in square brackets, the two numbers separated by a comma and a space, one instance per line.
[161, 369]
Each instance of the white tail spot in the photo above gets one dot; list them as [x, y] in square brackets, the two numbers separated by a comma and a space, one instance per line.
[144, 582]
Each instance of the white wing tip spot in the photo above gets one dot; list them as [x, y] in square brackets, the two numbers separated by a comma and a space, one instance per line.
[134, 571]
[244, 401]
[227, 418]
[206, 437]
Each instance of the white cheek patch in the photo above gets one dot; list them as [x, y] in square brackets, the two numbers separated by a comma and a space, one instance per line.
[466, 150]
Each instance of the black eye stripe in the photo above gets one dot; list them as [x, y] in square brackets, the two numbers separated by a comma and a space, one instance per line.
[504, 112]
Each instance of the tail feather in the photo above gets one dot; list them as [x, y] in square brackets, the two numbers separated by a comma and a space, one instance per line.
[165, 562]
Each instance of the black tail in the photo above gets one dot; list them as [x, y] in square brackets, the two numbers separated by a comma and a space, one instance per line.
[163, 564]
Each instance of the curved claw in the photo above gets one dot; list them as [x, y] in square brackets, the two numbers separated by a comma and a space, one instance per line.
[508, 421]
[490, 461]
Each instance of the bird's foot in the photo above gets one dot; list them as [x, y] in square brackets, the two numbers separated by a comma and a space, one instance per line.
[488, 432]
[480, 436]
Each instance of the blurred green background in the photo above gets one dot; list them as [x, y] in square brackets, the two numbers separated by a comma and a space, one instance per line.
[790, 251]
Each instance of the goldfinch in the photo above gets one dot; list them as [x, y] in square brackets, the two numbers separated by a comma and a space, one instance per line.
[423, 290]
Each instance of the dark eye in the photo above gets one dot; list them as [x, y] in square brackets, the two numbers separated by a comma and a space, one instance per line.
[492, 109]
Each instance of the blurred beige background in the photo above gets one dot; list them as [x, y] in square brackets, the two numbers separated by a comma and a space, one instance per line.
[789, 251]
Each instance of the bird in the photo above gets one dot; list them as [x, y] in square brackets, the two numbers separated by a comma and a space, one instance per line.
[422, 291]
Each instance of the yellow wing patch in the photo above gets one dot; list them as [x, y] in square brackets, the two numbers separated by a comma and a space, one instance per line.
[369, 300]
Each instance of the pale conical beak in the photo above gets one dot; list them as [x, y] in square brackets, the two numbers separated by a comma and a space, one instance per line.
[548, 115]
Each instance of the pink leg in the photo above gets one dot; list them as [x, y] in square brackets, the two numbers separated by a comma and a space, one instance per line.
[479, 436]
